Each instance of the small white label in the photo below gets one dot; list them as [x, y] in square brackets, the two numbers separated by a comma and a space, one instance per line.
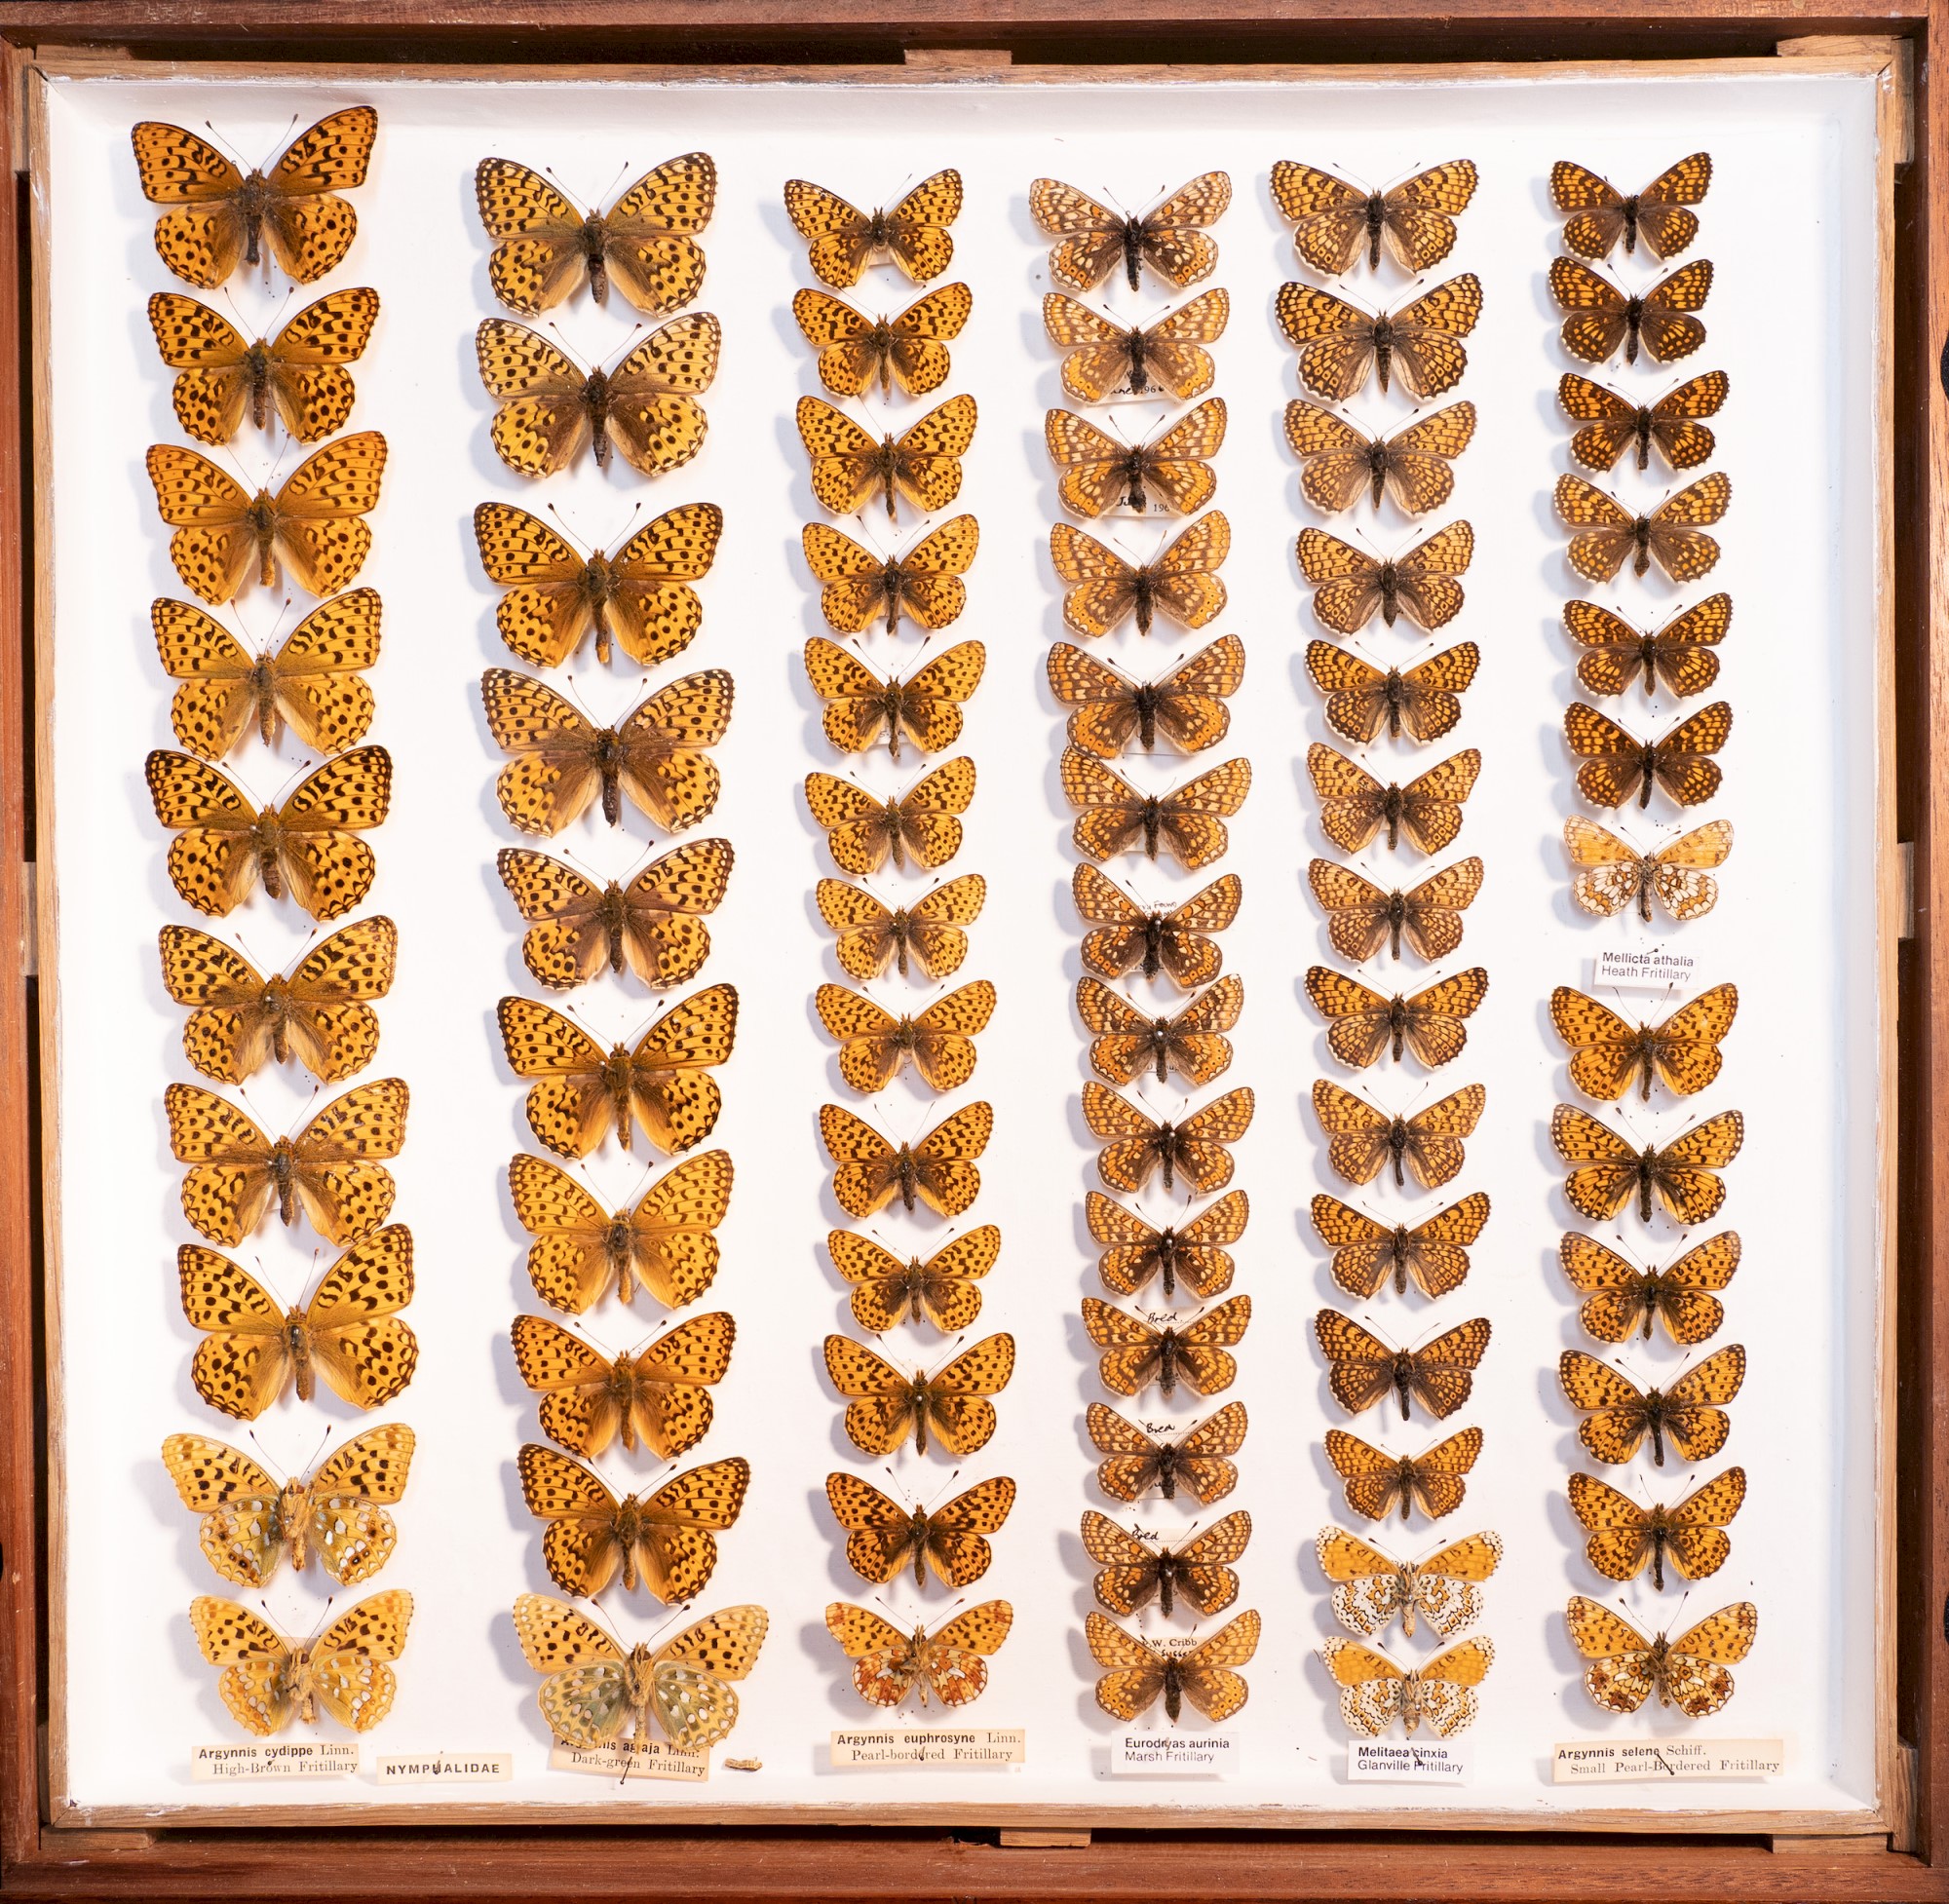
[934, 1748]
[446, 1768]
[305, 1759]
[1652, 971]
[640, 1758]
[1644, 1761]
[1410, 1762]
[1174, 1755]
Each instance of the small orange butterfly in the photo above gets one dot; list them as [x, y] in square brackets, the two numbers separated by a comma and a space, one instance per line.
[1098, 472]
[1137, 1147]
[923, 464]
[910, 350]
[842, 241]
[1428, 1144]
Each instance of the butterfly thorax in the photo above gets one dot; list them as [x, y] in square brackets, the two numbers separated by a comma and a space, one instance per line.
[1131, 473]
[1403, 1483]
[1397, 1140]
[618, 1073]
[1133, 241]
[1138, 375]
[615, 1401]
[274, 1002]
[1375, 212]
[1642, 1051]
[1174, 1690]
[298, 1684]
[267, 840]
[261, 684]
[913, 1540]
[911, 1284]
[899, 929]
[1657, 1533]
[1395, 691]
[1384, 364]
[1397, 1022]
[1640, 534]
[1657, 1411]
[893, 581]
[1157, 1041]
[1166, 1242]
[618, 1251]
[593, 242]
[916, 1401]
[639, 1677]
[880, 341]
[1388, 578]
[888, 704]
[597, 396]
[1394, 803]
[1396, 1244]
[1169, 1344]
[298, 1346]
[1402, 1378]
[1634, 311]
[256, 368]
[907, 1176]
[1145, 702]
[1156, 926]
[1169, 1457]
[1377, 463]
[1646, 1176]
[253, 201]
[628, 1528]
[291, 1521]
[1630, 210]
[282, 1165]
[1396, 917]
[612, 912]
[1151, 812]
[608, 756]
[260, 521]
[1647, 663]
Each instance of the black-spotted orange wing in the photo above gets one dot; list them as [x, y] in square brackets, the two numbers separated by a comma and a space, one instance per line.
[1339, 344]
[1613, 424]
[1188, 822]
[1186, 705]
[1127, 1042]
[857, 586]
[1361, 918]
[863, 708]
[922, 825]
[1626, 1539]
[887, 1406]
[1619, 767]
[923, 463]
[1125, 936]
[1599, 319]
[1606, 1173]
[1618, 1415]
[1338, 461]
[1428, 1145]
[883, 1537]
[1193, 1253]
[1134, 1572]
[842, 241]
[1354, 806]
[1093, 241]
[928, 935]
[943, 1290]
[1179, 583]
[1420, 701]
[1136, 1147]
[1659, 214]
[1200, 1460]
[1172, 471]
[1679, 654]
[1108, 359]
[1611, 874]
[1367, 1253]
[1361, 1023]
[1333, 222]
[1376, 1482]
[1608, 534]
[937, 1169]
[854, 352]
[1361, 1369]
[1622, 1299]
[1138, 1353]
[1608, 1054]
[1351, 586]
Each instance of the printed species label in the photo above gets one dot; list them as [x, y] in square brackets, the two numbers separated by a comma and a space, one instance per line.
[642, 1758]
[1410, 1762]
[1172, 1755]
[302, 1758]
[934, 1748]
[1651, 970]
[446, 1768]
[1642, 1761]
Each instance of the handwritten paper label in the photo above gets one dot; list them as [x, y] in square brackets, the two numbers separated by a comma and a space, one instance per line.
[1643, 1761]
[1410, 1762]
[934, 1748]
[302, 1758]
[642, 1758]
[446, 1768]
[1174, 1755]
[1651, 970]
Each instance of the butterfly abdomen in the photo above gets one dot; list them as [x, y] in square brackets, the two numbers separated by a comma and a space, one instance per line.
[1169, 1342]
[261, 519]
[1634, 310]
[1153, 823]
[253, 196]
[1404, 1381]
[593, 240]
[617, 1075]
[1174, 1691]
[907, 1180]
[1146, 699]
[1377, 455]
[596, 402]
[1629, 211]
[257, 368]
[1143, 598]
[625, 1531]
[282, 1167]
[291, 1524]
[617, 1249]
[609, 765]
[298, 1346]
[1165, 1580]
[1134, 252]
[1384, 364]
[1376, 215]
[273, 1004]
[1154, 938]
[1398, 1142]
[1133, 473]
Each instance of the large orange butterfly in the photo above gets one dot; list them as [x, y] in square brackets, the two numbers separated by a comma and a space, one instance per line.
[1334, 222]
[1136, 1147]
[268, 1680]
[1199, 1460]
[1620, 1297]
[1188, 822]
[1186, 704]
[1125, 936]
[1192, 1253]
[1606, 1172]
[1377, 1482]
[1132, 1572]
[657, 1395]
[1107, 359]
[1366, 1253]
[1601, 318]
[857, 587]
[885, 1407]
[874, 1046]
[1361, 918]
[1608, 1054]
[1411, 466]
[1361, 1023]
[1619, 767]
[1364, 1370]
[1127, 1042]
[928, 935]
[1609, 534]
[1138, 1353]
[1612, 875]
[910, 350]
[942, 1291]
[1095, 241]
[1613, 424]
[863, 708]
[220, 218]
[842, 241]
[1099, 472]
[1420, 584]
[1423, 702]
[923, 464]
[1339, 343]
[1679, 654]
[1138, 1671]
[1687, 1413]
[1686, 1669]
[884, 1538]
[937, 1169]
[951, 1663]
[1354, 806]
[1626, 1539]
[1428, 1145]
[1179, 581]
[922, 825]
[1601, 214]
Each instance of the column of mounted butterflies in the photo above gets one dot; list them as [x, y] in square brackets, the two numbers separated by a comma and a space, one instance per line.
[618, 929]
[1126, 712]
[908, 824]
[1612, 1174]
[243, 556]
[1377, 700]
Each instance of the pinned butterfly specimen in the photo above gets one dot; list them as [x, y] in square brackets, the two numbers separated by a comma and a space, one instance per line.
[1370, 1587]
[268, 1680]
[1355, 586]
[858, 588]
[1367, 1253]
[1134, 1572]
[1199, 1461]
[854, 352]
[1185, 705]
[1362, 1369]
[299, 375]
[1687, 1414]
[884, 1538]
[1622, 1299]
[1614, 423]
[937, 1169]
[874, 1046]
[1193, 1253]
[1361, 1023]
[639, 599]
[580, 1093]
[653, 925]
[861, 708]
[842, 241]
[1170, 471]
[667, 1245]
[1125, 936]
[595, 1686]
[1688, 1671]
[312, 527]
[552, 409]
[927, 935]
[1137, 1147]
[1339, 344]
[1601, 214]
[1606, 1172]
[1108, 359]
[241, 1020]
[1096, 241]
[1138, 1353]
[1612, 875]
[249, 1520]
[1609, 534]
[311, 681]
[1411, 466]
[349, 1333]
[1428, 1144]
[951, 1663]
[884, 1408]
[1617, 766]
[329, 1169]
[1377, 1483]
[1179, 583]
[1334, 222]
[1601, 318]
[562, 760]
[1127, 1042]
[1361, 918]
[923, 464]
[546, 246]
[1626, 1539]
[657, 1395]
[1679, 654]
[1188, 822]
[665, 1540]
[886, 1291]
[220, 217]
[1423, 702]
[1137, 1671]
[1375, 1692]
[863, 832]
[1354, 806]
[1607, 1054]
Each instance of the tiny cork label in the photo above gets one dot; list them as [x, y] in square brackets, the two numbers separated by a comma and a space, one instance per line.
[1645, 1760]
[642, 1758]
[1651, 970]
[934, 1748]
[302, 1758]
[1174, 1755]
[1410, 1762]
[446, 1768]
